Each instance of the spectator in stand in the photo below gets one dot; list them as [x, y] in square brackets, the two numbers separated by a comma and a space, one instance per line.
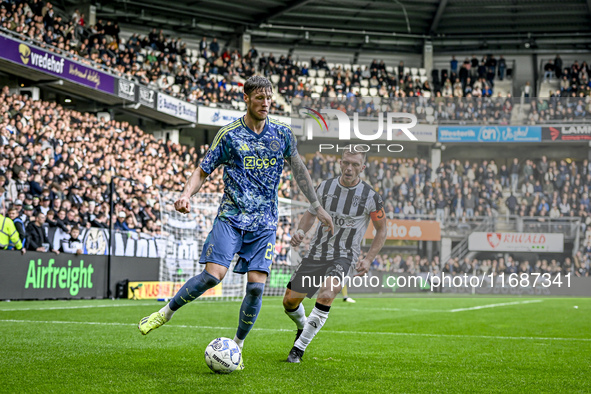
[100, 221]
[548, 71]
[515, 175]
[558, 66]
[121, 223]
[20, 226]
[527, 92]
[36, 236]
[73, 245]
[214, 47]
[502, 66]
[9, 235]
[453, 65]
[44, 207]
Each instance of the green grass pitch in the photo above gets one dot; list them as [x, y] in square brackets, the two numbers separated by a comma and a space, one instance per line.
[389, 345]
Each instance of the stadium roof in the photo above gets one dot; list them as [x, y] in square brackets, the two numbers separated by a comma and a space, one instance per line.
[375, 24]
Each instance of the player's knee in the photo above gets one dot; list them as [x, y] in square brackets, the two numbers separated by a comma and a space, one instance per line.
[327, 293]
[290, 303]
[254, 289]
[216, 271]
[209, 280]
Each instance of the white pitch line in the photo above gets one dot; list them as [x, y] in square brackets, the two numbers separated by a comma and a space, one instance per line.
[51, 308]
[267, 306]
[410, 334]
[406, 310]
[473, 308]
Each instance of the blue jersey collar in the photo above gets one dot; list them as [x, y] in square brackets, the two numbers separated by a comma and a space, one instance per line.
[251, 131]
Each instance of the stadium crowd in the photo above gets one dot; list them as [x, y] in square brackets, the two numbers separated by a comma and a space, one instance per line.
[56, 167]
[541, 188]
[571, 101]
[56, 164]
[213, 75]
[561, 107]
[406, 186]
[437, 108]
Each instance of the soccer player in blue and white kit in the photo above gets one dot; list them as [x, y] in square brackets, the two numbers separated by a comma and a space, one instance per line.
[253, 150]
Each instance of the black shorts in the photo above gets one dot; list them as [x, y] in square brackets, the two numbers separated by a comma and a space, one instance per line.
[310, 274]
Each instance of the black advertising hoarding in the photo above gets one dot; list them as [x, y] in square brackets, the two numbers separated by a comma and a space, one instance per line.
[146, 97]
[38, 276]
[47, 275]
[126, 89]
[133, 269]
[581, 132]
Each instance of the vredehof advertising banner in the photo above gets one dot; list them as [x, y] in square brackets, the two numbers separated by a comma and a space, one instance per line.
[414, 230]
[516, 242]
[36, 58]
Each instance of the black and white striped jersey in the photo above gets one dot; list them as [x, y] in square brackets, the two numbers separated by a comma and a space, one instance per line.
[350, 209]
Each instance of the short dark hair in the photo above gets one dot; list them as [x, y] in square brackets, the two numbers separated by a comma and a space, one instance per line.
[255, 83]
[350, 149]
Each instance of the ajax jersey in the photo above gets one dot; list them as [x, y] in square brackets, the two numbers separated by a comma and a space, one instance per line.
[253, 164]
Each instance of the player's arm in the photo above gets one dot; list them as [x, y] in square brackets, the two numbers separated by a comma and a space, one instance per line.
[215, 156]
[378, 219]
[306, 223]
[304, 181]
[192, 186]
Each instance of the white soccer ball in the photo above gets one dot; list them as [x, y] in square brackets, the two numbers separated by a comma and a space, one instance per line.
[222, 355]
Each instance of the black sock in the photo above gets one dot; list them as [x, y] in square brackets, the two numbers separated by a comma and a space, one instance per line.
[323, 308]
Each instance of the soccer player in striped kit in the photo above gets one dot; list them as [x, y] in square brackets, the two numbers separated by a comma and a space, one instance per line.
[352, 203]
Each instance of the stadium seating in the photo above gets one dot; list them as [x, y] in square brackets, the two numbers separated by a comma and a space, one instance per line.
[154, 54]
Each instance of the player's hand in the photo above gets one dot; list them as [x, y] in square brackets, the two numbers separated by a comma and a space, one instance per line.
[297, 238]
[183, 205]
[325, 219]
[362, 267]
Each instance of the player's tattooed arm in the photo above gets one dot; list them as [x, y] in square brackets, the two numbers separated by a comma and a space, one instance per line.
[302, 178]
[304, 181]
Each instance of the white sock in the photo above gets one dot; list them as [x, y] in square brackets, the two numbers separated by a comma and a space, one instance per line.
[315, 322]
[298, 316]
[167, 312]
[239, 342]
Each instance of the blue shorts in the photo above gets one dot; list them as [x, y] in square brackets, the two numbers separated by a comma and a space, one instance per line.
[255, 249]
